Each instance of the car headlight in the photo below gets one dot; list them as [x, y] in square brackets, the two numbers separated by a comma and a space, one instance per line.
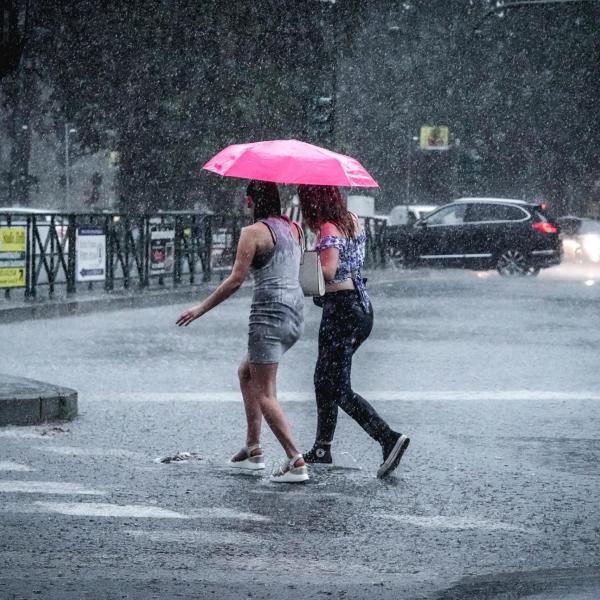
[570, 247]
[591, 246]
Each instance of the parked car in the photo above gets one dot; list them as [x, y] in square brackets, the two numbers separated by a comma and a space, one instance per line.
[580, 239]
[401, 218]
[515, 237]
[408, 214]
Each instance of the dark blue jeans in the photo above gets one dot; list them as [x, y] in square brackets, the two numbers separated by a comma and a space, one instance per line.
[345, 325]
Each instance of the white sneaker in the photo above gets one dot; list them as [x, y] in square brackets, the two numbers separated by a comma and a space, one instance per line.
[249, 463]
[288, 473]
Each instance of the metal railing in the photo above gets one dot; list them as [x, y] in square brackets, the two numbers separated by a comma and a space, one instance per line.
[201, 246]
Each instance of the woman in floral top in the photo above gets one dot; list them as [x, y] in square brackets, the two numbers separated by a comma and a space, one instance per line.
[346, 323]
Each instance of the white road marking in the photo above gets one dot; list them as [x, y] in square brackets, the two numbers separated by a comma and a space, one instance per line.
[81, 451]
[46, 487]
[95, 509]
[33, 431]
[92, 509]
[456, 522]
[22, 432]
[7, 465]
[378, 395]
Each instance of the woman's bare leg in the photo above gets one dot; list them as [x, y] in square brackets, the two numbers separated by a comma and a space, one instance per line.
[251, 405]
[263, 381]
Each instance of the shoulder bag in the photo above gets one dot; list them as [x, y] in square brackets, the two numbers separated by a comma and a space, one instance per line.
[312, 280]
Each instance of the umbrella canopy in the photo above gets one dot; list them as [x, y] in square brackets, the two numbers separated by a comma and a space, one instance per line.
[291, 162]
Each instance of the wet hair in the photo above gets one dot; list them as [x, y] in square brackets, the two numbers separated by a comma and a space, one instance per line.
[324, 204]
[265, 197]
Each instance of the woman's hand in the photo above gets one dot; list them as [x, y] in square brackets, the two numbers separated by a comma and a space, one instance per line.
[243, 259]
[191, 314]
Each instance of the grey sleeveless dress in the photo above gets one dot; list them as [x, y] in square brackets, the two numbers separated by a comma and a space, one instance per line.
[277, 312]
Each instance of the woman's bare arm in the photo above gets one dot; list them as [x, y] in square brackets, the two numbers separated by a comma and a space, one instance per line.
[245, 254]
[330, 256]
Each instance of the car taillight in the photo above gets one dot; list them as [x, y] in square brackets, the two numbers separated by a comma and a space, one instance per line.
[545, 227]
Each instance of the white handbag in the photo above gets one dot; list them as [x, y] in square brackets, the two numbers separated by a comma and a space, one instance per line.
[312, 280]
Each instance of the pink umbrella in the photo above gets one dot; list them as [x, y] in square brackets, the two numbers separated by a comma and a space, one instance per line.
[290, 161]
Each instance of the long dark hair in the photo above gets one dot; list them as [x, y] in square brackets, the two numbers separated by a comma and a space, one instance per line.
[265, 197]
[324, 204]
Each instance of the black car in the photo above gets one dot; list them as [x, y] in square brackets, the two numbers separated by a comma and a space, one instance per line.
[515, 237]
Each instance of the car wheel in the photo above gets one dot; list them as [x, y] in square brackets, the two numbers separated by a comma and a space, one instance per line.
[514, 263]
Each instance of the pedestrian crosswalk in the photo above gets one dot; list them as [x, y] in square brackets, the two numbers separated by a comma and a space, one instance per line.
[46, 487]
[97, 509]
[33, 498]
[8, 465]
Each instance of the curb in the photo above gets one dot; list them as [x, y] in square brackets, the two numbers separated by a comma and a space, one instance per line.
[31, 402]
[79, 306]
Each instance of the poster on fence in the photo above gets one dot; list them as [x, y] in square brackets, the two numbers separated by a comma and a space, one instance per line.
[13, 247]
[91, 254]
[161, 252]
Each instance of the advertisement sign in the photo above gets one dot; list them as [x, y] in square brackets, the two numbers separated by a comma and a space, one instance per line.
[161, 252]
[13, 239]
[13, 247]
[12, 277]
[434, 137]
[91, 254]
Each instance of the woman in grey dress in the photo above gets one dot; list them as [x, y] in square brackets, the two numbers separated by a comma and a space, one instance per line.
[270, 249]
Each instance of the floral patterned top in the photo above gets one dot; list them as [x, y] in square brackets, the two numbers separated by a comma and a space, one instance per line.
[352, 256]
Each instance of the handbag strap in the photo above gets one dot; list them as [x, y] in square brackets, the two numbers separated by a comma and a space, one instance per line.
[301, 234]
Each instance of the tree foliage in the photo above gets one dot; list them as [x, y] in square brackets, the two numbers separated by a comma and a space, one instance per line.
[167, 83]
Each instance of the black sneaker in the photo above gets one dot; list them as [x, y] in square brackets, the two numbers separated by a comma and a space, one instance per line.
[319, 454]
[393, 449]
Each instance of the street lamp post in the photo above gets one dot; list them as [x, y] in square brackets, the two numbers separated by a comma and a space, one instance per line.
[68, 132]
[414, 138]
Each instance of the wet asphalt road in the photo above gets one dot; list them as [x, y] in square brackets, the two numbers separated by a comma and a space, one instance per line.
[496, 382]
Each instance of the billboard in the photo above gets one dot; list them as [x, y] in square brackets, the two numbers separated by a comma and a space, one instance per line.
[434, 137]
[91, 254]
[13, 247]
[161, 252]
